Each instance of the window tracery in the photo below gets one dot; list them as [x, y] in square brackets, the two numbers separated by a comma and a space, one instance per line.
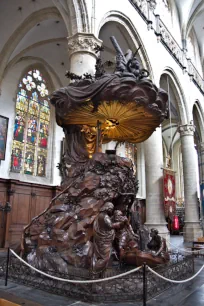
[31, 128]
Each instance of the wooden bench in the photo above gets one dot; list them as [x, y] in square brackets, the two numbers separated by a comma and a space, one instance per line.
[198, 245]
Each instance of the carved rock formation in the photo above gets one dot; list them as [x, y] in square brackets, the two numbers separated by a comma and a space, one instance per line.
[63, 234]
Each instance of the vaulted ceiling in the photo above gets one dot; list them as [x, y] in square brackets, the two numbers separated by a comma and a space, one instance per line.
[191, 15]
[37, 29]
[32, 29]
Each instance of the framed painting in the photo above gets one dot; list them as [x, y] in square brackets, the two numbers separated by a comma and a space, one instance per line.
[3, 136]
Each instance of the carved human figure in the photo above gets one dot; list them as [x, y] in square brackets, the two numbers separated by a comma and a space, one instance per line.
[125, 237]
[157, 245]
[133, 66]
[103, 236]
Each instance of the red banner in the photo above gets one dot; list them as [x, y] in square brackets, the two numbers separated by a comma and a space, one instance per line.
[169, 193]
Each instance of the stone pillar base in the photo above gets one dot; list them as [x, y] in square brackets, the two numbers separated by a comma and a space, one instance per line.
[192, 231]
[163, 231]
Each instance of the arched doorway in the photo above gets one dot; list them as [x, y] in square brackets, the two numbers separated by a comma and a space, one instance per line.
[172, 145]
[199, 151]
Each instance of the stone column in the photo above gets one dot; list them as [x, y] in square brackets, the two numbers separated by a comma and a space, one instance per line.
[201, 171]
[141, 171]
[192, 228]
[201, 174]
[154, 184]
[82, 54]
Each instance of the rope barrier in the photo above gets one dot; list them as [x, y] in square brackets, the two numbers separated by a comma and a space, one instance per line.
[175, 281]
[107, 278]
[184, 250]
[75, 281]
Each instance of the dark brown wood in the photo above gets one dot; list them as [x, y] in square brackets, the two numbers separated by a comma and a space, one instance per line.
[90, 217]
[197, 245]
[27, 200]
[3, 200]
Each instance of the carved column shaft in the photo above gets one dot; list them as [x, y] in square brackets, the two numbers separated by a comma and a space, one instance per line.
[141, 170]
[201, 161]
[201, 175]
[81, 48]
[192, 228]
[154, 183]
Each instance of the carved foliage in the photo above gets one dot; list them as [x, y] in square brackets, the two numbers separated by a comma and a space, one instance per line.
[187, 129]
[83, 42]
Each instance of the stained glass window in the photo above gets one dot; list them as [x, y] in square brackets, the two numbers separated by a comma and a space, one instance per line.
[31, 127]
[131, 153]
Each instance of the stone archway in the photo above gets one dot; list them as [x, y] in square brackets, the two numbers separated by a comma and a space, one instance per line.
[179, 132]
[198, 121]
[129, 35]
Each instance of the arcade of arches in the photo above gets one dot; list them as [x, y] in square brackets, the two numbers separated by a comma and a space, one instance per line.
[42, 39]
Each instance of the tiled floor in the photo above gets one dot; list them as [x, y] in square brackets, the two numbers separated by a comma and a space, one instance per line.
[188, 294]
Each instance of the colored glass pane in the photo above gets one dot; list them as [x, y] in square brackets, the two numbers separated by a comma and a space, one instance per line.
[34, 108]
[45, 111]
[29, 160]
[41, 163]
[42, 90]
[37, 75]
[35, 96]
[22, 103]
[22, 92]
[32, 130]
[29, 151]
[17, 155]
[29, 84]
[19, 126]
[43, 134]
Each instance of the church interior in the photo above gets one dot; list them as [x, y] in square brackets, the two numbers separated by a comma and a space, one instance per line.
[115, 85]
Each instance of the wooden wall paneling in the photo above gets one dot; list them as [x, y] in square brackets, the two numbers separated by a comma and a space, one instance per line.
[20, 214]
[3, 200]
[33, 204]
[43, 198]
[27, 201]
[3, 191]
[10, 196]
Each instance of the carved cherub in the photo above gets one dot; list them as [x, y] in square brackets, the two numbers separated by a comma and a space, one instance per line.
[157, 245]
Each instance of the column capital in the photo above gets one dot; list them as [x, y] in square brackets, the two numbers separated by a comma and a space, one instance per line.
[186, 129]
[83, 42]
[152, 4]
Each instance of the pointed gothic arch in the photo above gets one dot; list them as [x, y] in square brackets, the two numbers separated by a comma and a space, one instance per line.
[130, 33]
